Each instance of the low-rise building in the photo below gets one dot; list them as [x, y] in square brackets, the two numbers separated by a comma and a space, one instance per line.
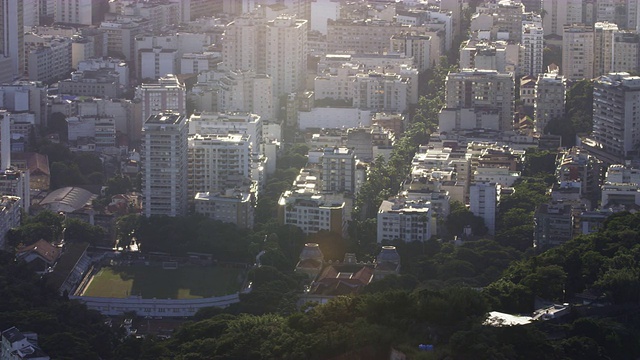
[40, 256]
[17, 345]
[313, 212]
[499, 175]
[99, 83]
[231, 206]
[405, 220]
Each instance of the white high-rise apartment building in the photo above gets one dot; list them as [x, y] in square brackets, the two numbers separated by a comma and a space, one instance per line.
[12, 39]
[164, 164]
[558, 13]
[483, 201]
[218, 163]
[603, 47]
[578, 52]
[550, 93]
[243, 45]
[616, 98]
[533, 48]
[286, 54]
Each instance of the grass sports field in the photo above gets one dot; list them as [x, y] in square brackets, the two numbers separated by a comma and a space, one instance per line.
[154, 282]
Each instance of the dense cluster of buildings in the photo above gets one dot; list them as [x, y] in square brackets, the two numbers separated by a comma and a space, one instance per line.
[194, 95]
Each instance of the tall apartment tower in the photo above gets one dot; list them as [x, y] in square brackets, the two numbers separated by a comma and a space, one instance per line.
[47, 10]
[164, 164]
[218, 162]
[578, 52]
[31, 13]
[615, 100]
[168, 94]
[549, 102]
[533, 47]
[603, 47]
[286, 54]
[483, 201]
[12, 39]
[626, 52]
[243, 45]
[559, 13]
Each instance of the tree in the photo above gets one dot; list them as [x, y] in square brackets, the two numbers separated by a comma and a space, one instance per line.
[459, 217]
[78, 231]
[126, 227]
[58, 124]
[119, 184]
[52, 221]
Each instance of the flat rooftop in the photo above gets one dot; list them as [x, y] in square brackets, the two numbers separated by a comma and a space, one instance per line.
[169, 119]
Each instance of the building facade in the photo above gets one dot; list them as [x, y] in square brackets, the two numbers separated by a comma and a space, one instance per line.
[232, 206]
[616, 96]
[481, 93]
[164, 164]
[218, 163]
[286, 54]
[578, 52]
[533, 47]
[483, 202]
[12, 39]
[550, 94]
[168, 94]
[406, 220]
[338, 170]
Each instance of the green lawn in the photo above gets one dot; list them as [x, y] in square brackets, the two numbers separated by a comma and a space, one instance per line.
[154, 282]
